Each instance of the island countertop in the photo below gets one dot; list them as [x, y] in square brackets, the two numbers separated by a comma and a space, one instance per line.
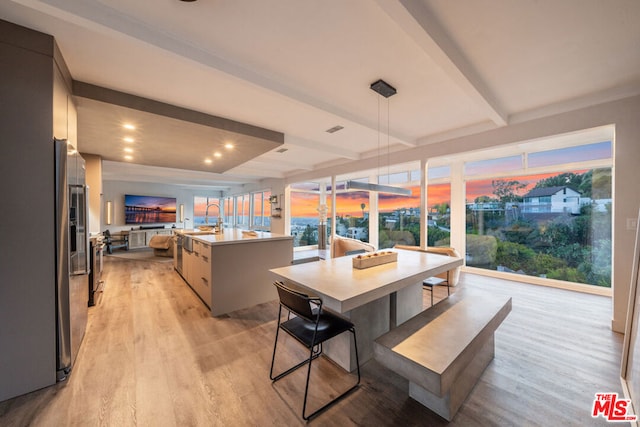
[234, 235]
[230, 271]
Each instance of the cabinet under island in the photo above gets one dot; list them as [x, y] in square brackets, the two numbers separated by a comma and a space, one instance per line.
[230, 271]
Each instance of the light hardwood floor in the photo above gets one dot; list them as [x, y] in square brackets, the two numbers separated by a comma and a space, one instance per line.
[152, 356]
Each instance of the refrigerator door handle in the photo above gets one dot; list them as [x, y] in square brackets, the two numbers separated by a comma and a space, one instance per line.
[87, 243]
[79, 232]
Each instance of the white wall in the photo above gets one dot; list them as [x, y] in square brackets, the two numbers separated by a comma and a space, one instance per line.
[93, 166]
[114, 191]
[624, 114]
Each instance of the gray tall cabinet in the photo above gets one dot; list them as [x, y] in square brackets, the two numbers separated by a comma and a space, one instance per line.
[35, 106]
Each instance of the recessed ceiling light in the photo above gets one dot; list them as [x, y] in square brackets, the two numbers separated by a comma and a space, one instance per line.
[128, 139]
[127, 157]
[217, 154]
[129, 126]
[208, 161]
[128, 150]
[228, 146]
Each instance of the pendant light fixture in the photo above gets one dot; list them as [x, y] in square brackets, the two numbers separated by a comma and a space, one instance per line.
[384, 89]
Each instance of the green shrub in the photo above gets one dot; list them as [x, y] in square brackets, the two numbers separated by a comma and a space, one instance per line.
[544, 263]
[515, 256]
[568, 274]
[436, 235]
[481, 250]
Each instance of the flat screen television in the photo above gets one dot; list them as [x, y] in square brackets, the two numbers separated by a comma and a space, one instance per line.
[149, 209]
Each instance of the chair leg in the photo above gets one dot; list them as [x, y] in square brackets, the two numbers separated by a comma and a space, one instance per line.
[355, 345]
[314, 354]
[275, 344]
[430, 289]
[306, 388]
[335, 399]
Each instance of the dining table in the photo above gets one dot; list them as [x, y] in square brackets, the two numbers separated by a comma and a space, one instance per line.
[374, 299]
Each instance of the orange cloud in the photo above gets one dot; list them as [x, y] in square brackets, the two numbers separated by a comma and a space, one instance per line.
[438, 194]
[349, 203]
[484, 188]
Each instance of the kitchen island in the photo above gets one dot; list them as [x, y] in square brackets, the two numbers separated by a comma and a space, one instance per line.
[230, 271]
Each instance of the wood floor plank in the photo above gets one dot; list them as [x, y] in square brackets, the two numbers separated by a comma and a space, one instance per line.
[152, 355]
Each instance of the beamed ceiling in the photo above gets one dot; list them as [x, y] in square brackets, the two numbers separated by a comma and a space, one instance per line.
[291, 70]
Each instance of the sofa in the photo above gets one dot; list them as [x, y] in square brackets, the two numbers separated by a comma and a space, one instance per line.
[452, 276]
[162, 245]
[341, 245]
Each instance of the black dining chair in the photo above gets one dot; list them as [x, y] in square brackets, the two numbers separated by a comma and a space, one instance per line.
[311, 326]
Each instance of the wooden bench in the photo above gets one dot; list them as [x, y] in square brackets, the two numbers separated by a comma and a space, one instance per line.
[444, 350]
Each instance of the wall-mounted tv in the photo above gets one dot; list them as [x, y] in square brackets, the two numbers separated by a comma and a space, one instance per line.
[149, 209]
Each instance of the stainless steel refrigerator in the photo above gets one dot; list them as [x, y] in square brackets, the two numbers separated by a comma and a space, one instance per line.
[72, 255]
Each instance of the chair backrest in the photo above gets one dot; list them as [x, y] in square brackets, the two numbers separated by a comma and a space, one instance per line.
[452, 276]
[431, 249]
[296, 302]
[340, 245]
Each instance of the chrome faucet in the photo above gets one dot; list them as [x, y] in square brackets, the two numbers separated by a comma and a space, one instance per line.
[206, 216]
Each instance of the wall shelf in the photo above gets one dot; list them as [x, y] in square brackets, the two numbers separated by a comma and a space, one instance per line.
[276, 211]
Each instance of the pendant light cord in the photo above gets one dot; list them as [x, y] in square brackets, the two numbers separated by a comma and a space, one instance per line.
[378, 138]
[388, 150]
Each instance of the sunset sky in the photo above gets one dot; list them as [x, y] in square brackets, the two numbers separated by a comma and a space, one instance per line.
[166, 204]
[484, 188]
[304, 204]
[200, 205]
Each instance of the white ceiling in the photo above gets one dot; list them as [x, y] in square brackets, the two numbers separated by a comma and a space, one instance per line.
[302, 67]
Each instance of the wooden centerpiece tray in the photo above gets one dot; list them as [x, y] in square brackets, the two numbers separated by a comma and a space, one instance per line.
[374, 258]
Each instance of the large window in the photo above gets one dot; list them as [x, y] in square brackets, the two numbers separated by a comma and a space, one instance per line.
[242, 210]
[352, 213]
[304, 202]
[235, 210]
[399, 216]
[552, 224]
[200, 204]
[439, 219]
[229, 214]
[541, 208]
[439, 206]
[261, 219]
[248, 211]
